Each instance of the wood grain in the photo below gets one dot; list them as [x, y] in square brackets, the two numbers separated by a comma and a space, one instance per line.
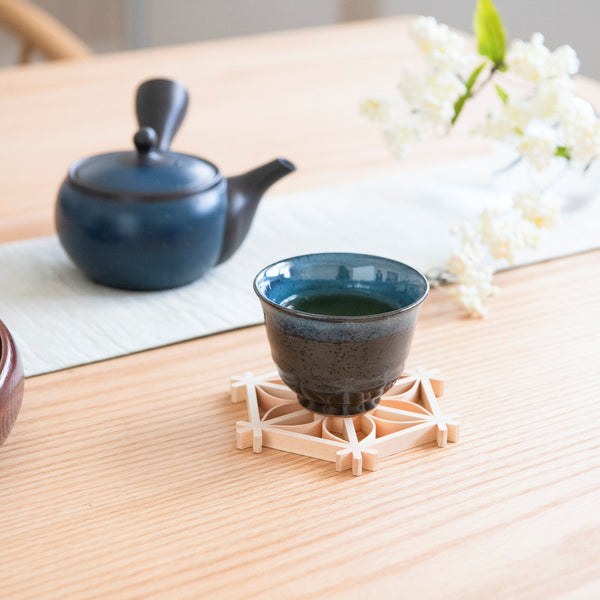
[121, 479]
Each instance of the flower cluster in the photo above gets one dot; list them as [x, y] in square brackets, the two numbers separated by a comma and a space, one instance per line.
[546, 124]
[534, 62]
[443, 48]
[428, 98]
[540, 209]
[550, 121]
[497, 236]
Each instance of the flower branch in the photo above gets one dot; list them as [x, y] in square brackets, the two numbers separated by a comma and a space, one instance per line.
[550, 123]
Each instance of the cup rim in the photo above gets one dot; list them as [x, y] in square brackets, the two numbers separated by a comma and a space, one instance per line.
[338, 318]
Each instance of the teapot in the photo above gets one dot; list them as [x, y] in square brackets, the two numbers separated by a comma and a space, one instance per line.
[150, 218]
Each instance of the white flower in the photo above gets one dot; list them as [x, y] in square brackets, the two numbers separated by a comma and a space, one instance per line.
[533, 61]
[497, 126]
[499, 236]
[412, 88]
[551, 98]
[506, 236]
[442, 47]
[575, 111]
[519, 113]
[466, 262]
[538, 144]
[470, 300]
[433, 96]
[436, 110]
[540, 209]
[485, 287]
[581, 129]
[563, 61]
[376, 110]
[528, 60]
[506, 124]
[444, 84]
[472, 270]
[584, 143]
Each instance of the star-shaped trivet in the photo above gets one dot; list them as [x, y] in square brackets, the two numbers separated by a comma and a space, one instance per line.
[408, 415]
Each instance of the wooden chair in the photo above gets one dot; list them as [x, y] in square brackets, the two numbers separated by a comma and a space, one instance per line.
[40, 31]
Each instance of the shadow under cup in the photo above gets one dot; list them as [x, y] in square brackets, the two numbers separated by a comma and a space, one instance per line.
[340, 326]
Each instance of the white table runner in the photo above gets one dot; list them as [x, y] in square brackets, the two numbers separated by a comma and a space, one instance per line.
[60, 319]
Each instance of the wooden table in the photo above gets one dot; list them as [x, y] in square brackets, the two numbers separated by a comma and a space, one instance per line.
[121, 478]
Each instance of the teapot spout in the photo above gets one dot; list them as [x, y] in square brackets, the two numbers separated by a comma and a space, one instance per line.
[243, 195]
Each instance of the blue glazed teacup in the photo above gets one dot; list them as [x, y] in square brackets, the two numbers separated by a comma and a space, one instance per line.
[340, 326]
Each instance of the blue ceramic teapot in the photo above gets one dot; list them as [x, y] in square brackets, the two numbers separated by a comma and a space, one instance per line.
[151, 219]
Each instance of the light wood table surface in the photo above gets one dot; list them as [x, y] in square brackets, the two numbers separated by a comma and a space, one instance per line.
[121, 479]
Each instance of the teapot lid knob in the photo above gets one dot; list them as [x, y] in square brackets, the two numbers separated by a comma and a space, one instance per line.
[161, 104]
[145, 139]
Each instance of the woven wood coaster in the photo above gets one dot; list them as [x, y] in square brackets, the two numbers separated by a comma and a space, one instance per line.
[407, 416]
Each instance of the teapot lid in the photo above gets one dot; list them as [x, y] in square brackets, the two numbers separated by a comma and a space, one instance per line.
[143, 175]
[151, 172]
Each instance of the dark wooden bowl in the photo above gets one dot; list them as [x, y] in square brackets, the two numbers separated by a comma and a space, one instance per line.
[11, 382]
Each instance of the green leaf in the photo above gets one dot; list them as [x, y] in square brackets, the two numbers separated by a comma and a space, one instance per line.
[490, 33]
[458, 105]
[501, 94]
[562, 151]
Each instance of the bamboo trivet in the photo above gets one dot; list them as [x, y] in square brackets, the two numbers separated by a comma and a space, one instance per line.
[407, 416]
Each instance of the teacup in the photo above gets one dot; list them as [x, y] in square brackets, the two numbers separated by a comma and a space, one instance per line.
[340, 326]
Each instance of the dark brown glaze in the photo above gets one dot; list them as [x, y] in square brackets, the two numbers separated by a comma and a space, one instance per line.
[11, 382]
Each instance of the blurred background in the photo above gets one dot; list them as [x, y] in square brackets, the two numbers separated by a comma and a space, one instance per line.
[113, 25]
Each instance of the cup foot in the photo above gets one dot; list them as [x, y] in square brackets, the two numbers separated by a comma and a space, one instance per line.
[341, 410]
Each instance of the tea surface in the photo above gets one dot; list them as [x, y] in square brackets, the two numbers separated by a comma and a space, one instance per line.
[346, 304]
